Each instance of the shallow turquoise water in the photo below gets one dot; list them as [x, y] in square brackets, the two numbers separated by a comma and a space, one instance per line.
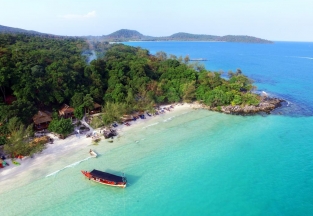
[197, 163]
[200, 162]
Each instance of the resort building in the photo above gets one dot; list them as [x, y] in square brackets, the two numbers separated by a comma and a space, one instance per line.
[96, 109]
[66, 111]
[42, 120]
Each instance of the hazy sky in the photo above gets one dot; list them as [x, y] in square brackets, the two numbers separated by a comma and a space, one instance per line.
[280, 20]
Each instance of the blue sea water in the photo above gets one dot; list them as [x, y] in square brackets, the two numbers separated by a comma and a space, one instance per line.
[199, 162]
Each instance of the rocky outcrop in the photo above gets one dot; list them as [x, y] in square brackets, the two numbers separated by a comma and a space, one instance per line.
[266, 105]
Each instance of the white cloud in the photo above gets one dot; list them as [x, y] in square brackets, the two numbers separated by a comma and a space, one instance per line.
[79, 16]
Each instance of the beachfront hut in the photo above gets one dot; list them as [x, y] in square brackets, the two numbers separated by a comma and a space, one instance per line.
[66, 111]
[96, 109]
[42, 120]
[127, 118]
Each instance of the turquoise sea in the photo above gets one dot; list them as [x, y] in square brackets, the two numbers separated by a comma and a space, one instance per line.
[199, 162]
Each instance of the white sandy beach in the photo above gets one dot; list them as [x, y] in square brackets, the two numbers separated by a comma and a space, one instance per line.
[62, 152]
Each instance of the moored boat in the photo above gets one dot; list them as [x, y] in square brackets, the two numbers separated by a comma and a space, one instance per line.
[105, 178]
[93, 153]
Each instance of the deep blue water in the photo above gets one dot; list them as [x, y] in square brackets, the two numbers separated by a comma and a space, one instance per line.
[199, 162]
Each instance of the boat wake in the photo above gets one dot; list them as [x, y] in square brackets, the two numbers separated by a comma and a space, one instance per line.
[303, 57]
[306, 58]
[68, 166]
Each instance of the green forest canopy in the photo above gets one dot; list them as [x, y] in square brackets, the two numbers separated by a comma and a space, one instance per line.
[44, 73]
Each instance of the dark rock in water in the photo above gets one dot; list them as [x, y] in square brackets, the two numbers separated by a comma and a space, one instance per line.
[265, 106]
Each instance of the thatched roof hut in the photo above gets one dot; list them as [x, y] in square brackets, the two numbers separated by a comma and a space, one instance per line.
[42, 120]
[66, 111]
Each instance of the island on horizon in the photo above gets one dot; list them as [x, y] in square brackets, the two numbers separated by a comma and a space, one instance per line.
[133, 35]
[126, 35]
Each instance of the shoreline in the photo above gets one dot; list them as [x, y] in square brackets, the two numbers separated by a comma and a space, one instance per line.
[61, 154]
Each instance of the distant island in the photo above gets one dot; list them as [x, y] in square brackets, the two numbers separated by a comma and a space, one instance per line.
[132, 35]
[125, 35]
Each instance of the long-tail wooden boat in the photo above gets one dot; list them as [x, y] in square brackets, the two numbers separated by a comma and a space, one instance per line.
[106, 178]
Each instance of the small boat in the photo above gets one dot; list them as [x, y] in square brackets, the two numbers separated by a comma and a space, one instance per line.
[92, 153]
[105, 178]
[15, 162]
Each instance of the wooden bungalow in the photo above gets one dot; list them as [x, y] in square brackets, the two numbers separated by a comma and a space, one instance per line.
[42, 120]
[96, 109]
[66, 111]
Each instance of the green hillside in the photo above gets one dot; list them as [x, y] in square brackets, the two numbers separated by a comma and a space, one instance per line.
[6, 29]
